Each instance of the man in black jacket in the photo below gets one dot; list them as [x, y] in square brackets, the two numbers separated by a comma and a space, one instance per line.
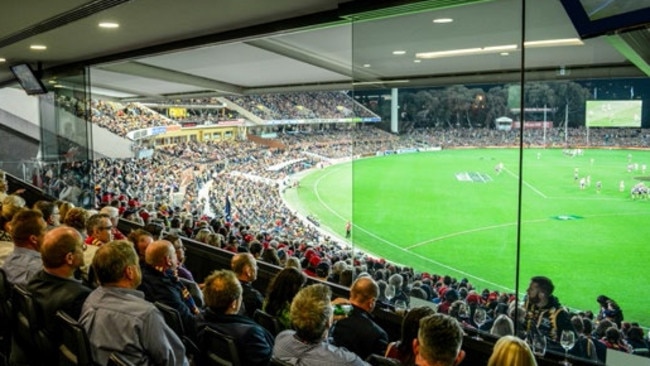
[55, 288]
[160, 283]
[358, 332]
[544, 314]
[223, 298]
[245, 267]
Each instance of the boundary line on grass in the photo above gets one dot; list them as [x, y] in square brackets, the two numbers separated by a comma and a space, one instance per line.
[526, 184]
[426, 259]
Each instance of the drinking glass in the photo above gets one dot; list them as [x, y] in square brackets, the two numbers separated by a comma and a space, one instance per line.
[463, 312]
[567, 340]
[538, 344]
[400, 307]
[480, 317]
[389, 292]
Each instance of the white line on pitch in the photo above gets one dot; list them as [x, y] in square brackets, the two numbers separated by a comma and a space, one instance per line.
[526, 183]
[465, 274]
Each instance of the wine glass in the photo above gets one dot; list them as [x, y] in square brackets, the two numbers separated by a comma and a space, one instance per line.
[567, 340]
[480, 316]
[463, 312]
[538, 344]
[390, 292]
[400, 307]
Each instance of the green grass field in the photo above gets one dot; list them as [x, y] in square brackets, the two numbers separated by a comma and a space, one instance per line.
[449, 212]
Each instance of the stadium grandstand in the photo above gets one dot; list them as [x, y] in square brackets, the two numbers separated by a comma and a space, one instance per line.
[307, 141]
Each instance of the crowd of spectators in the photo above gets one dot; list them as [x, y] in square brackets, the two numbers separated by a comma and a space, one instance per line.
[244, 211]
[312, 105]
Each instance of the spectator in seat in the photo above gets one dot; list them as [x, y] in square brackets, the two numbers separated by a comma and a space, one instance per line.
[544, 313]
[100, 229]
[614, 340]
[54, 287]
[397, 280]
[502, 326]
[511, 351]
[160, 283]
[114, 215]
[9, 208]
[183, 272]
[141, 239]
[245, 267]
[283, 288]
[600, 348]
[119, 320]
[610, 310]
[28, 230]
[311, 317]
[439, 341]
[358, 332]
[635, 339]
[223, 298]
[402, 349]
[50, 212]
[584, 347]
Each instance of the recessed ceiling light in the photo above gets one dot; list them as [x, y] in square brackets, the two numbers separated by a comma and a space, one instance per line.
[366, 65]
[38, 47]
[109, 25]
[399, 52]
[3, 59]
[417, 61]
[443, 20]
[504, 53]
[467, 51]
[53, 81]
[554, 42]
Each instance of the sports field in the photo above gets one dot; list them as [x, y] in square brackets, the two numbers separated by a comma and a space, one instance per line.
[451, 212]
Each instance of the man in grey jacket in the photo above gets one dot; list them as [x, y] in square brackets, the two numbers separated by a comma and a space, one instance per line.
[119, 320]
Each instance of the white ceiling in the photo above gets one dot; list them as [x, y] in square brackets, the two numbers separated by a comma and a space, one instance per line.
[219, 48]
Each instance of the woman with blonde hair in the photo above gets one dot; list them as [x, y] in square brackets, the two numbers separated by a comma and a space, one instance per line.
[511, 351]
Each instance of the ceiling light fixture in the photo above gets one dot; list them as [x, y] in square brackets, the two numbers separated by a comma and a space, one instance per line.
[501, 49]
[466, 51]
[504, 53]
[109, 25]
[417, 61]
[399, 52]
[366, 65]
[38, 47]
[403, 81]
[443, 20]
[3, 59]
[554, 43]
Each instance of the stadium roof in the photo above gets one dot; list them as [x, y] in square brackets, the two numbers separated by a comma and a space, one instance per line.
[171, 48]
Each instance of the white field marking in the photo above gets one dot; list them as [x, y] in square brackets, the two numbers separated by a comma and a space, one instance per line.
[408, 249]
[357, 227]
[513, 224]
[574, 198]
[526, 183]
[459, 233]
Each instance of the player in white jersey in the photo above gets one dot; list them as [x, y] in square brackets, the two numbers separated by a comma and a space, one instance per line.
[498, 168]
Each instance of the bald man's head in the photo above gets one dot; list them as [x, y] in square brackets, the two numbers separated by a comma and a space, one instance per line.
[58, 244]
[364, 293]
[161, 253]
